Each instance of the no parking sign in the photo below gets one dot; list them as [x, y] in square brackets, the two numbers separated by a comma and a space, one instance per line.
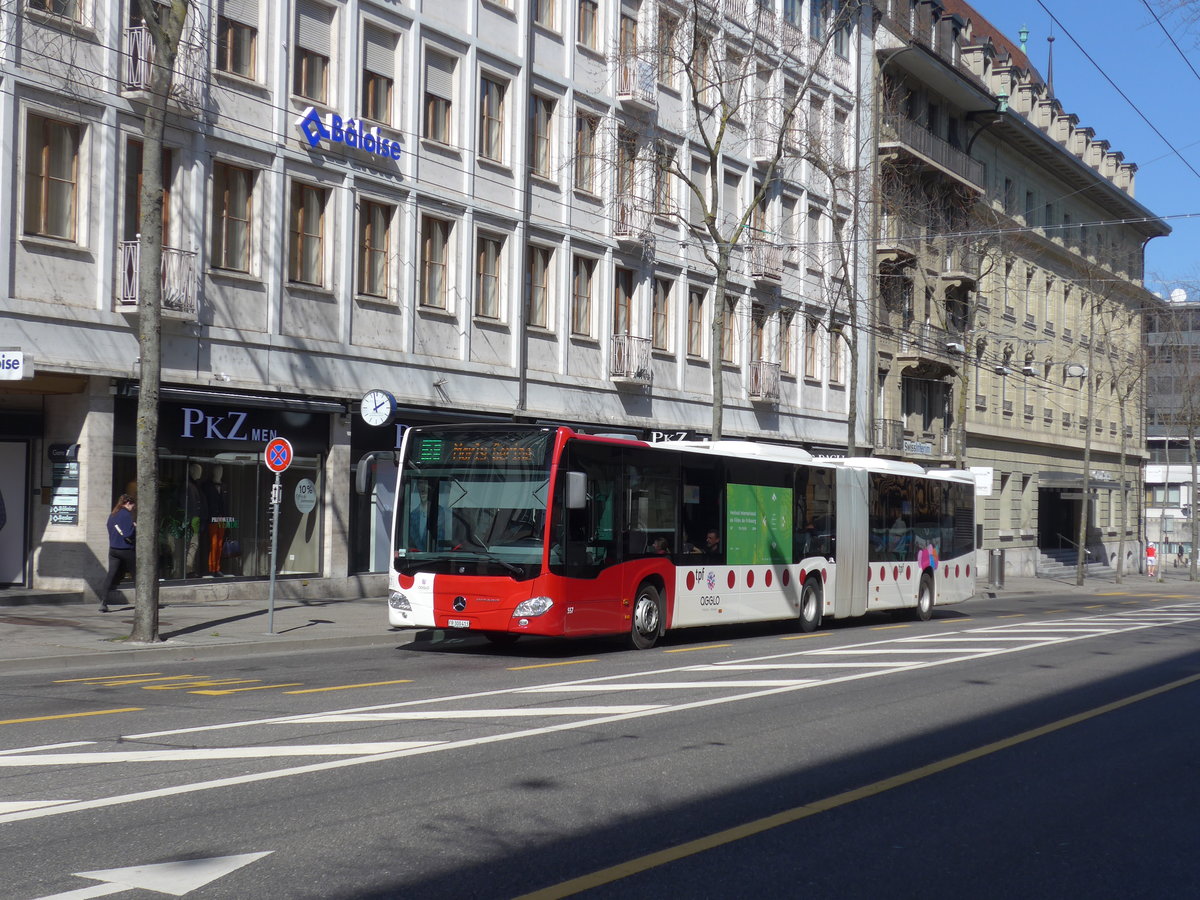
[278, 454]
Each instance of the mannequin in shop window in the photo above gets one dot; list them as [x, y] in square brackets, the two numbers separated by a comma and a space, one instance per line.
[214, 496]
[198, 520]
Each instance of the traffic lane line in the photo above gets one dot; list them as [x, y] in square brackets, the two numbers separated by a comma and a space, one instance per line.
[103, 678]
[346, 687]
[569, 662]
[798, 813]
[78, 715]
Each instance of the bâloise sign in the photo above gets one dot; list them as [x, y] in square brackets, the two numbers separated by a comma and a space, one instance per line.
[353, 133]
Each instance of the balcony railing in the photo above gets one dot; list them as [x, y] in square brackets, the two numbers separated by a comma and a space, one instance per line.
[637, 82]
[904, 131]
[766, 260]
[630, 362]
[178, 277]
[764, 381]
[633, 218]
[960, 262]
[889, 435]
[188, 78]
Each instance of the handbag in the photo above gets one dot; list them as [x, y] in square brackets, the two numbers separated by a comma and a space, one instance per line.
[231, 548]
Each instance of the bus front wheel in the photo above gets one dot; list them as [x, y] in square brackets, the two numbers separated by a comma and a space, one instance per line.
[810, 605]
[924, 610]
[647, 618]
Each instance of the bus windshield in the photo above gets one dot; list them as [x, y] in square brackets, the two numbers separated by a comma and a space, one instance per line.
[474, 498]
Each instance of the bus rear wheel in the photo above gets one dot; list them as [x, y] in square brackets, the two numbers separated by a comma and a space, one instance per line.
[646, 621]
[810, 605]
[924, 610]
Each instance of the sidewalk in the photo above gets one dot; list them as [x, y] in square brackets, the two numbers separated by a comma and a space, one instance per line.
[43, 631]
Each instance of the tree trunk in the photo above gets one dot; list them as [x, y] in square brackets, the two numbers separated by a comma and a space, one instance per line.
[720, 311]
[166, 28]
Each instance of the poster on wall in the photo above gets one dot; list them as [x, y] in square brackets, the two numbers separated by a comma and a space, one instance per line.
[12, 512]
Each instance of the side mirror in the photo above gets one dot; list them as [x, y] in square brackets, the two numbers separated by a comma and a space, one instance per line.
[576, 490]
[364, 473]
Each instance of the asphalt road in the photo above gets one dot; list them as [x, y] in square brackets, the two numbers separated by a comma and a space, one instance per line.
[1034, 747]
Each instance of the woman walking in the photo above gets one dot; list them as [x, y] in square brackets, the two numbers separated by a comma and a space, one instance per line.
[121, 531]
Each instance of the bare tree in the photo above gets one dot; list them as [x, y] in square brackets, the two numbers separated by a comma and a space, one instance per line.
[743, 81]
[165, 24]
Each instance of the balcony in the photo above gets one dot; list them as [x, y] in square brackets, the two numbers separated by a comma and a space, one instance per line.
[764, 381]
[187, 82]
[899, 239]
[889, 435]
[898, 131]
[630, 362]
[178, 278]
[766, 261]
[637, 83]
[960, 266]
[632, 221]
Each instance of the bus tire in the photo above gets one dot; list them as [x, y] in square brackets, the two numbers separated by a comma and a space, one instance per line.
[646, 621]
[811, 603]
[502, 638]
[924, 610]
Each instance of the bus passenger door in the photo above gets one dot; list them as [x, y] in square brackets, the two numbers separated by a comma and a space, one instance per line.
[852, 544]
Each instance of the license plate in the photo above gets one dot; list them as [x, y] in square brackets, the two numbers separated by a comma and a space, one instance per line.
[459, 623]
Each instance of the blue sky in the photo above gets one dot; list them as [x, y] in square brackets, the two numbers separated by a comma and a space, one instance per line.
[1122, 37]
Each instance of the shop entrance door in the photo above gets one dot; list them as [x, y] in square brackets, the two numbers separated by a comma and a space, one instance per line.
[14, 489]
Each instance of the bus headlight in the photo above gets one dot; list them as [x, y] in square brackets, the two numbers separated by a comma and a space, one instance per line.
[534, 606]
[397, 600]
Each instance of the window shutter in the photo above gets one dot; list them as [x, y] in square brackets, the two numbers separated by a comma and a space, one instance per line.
[379, 51]
[313, 27]
[244, 11]
[439, 75]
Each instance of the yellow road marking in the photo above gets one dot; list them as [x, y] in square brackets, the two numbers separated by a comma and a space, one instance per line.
[1053, 612]
[690, 649]
[344, 687]
[569, 662]
[1012, 616]
[104, 677]
[800, 637]
[263, 687]
[201, 682]
[797, 813]
[145, 680]
[96, 712]
[1095, 606]
[887, 627]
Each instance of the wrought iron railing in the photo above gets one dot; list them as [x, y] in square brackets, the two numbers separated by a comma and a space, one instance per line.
[907, 132]
[766, 260]
[178, 277]
[630, 360]
[889, 435]
[764, 380]
[637, 81]
[189, 71]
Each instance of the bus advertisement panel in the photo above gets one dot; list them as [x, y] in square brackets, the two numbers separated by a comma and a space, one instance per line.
[511, 530]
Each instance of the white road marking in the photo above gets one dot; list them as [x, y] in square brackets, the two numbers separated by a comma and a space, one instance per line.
[18, 805]
[532, 712]
[142, 756]
[662, 686]
[46, 747]
[737, 666]
[174, 878]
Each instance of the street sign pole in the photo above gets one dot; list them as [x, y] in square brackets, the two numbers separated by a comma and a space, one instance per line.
[276, 496]
[278, 456]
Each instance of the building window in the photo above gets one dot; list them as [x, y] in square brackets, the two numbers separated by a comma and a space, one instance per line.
[133, 192]
[695, 336]
[543, 12]
[758, 333]
[537, 310]
[623, 301]
[812, 346]
[588, 23]
[378, 77]
[67, 9]
[51, 173]
[836, 356]
[439, 96]
[581, 296]
[664, 162]
[660, 315]
[667, 52]
[306, 231]
[374, 243]
[491, 119]
[487, 291]
[435, 262]
[541, 158]
[236, 46]
[586, 128]
[729, 331]
[310, 77]
[787, 344]
[233, 192]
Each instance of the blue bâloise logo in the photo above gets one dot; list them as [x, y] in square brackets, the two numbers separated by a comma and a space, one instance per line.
[351, 132]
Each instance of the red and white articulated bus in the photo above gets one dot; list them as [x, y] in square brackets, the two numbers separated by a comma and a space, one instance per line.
[529, 529]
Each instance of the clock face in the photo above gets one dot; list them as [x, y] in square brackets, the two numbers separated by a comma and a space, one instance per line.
[377, 407]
